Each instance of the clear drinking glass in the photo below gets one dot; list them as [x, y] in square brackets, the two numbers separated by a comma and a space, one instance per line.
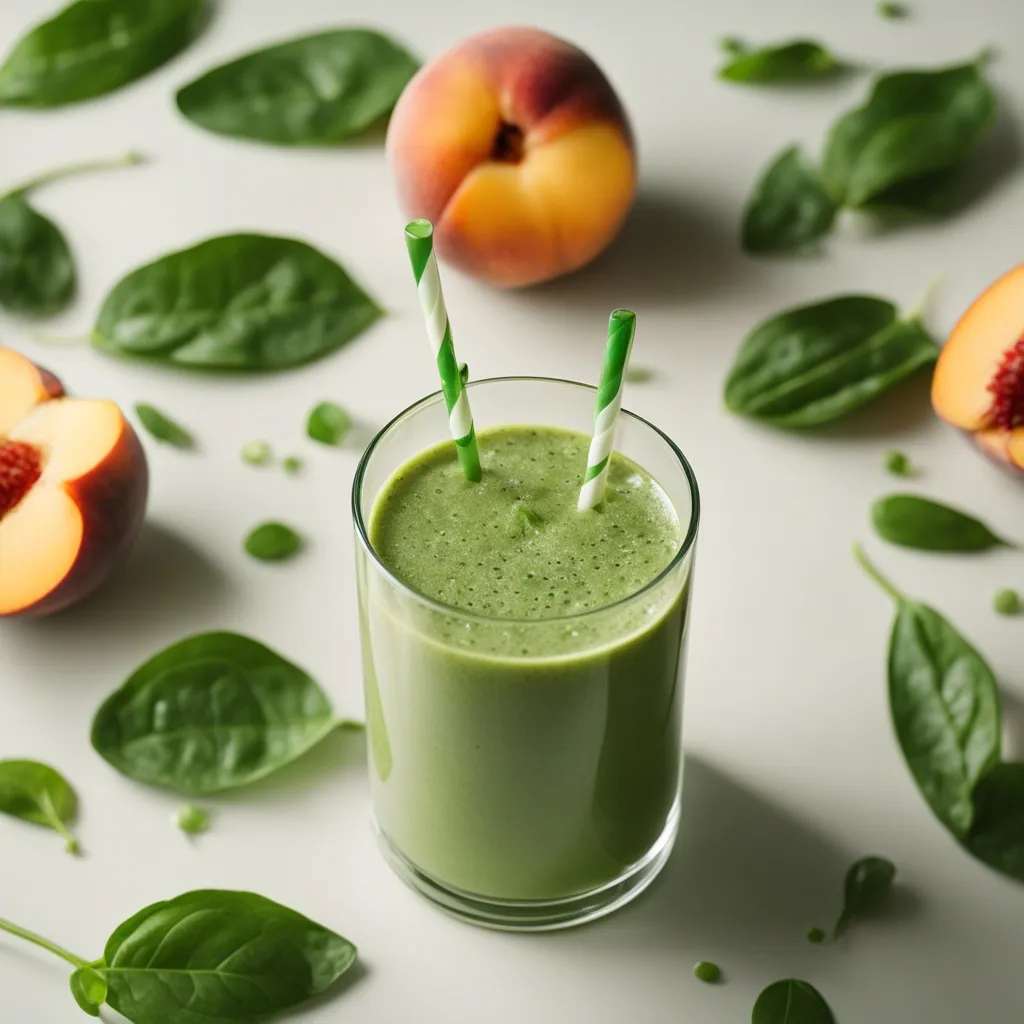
[525, 774]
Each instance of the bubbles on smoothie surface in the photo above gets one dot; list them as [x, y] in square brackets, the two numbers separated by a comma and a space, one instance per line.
[514, 545]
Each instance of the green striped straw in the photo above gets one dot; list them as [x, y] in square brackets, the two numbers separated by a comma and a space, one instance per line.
[419, 239]
[621, 328]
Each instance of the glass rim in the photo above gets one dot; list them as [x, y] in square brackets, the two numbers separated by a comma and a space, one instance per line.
[453, 610]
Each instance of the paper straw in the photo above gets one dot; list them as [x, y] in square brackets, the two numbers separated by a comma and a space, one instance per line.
[419, 239]
[621, 327]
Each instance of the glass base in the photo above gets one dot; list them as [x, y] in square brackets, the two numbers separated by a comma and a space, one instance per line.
[537, 915]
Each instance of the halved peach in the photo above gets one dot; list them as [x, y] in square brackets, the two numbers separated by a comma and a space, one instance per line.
[73, 486]
[978, 383]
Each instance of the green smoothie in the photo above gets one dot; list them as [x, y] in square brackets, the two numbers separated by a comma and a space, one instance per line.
[525, 729]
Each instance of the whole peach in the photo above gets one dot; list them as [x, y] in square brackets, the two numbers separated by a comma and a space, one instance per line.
[517, 148]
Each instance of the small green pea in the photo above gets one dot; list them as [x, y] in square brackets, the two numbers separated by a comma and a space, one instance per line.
[192, 820]
[1008, 602]
[256, 453]
[898, 463]
[816, 935]
[707, 972]
[291, 464]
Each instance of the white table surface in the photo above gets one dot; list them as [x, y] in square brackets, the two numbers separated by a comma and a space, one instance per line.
[793, 770]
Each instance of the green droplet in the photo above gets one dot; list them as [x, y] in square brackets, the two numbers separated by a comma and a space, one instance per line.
[292, 464]
[816, 935]
[1008, 602]
[707, 972]
[328, 423]
[256, 453]
[464, 372]
[192, 819]
[898, 463]
[891, 10]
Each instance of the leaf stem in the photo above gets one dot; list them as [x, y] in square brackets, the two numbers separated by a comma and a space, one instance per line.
[129, 159]
[71, 844]
[875, 573]
[917, 311]
[38, 940]
[59, 339]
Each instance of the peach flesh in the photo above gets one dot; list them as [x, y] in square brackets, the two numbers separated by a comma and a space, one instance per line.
[977, 376]
[1007, 389]
[20, 467]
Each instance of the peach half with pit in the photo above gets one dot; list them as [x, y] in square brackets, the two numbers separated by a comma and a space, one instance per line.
[978, 383]
[515, 145]
[73, 485]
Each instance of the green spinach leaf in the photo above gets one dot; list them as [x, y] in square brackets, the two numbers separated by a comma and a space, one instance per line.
[328, 423]
[797, 61]
[273, 542]
[791, 1002]
[37, 270]
[95, 46]
[89, 988]
[944, 702]
[914, 123]
[813, 364]
[38, 793]
[315, 91]
[236, 302]
[205, 956]
[996, 835]
[164, 429]
[913, 522]
[868, 885]
[790, 207]
[212, 712]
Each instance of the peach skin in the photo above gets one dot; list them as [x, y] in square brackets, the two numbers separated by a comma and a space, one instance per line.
[515, 145]
[73, 485]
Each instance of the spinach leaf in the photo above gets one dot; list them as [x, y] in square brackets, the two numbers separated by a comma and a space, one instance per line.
[868, 884]
[164, 429]
[236, 302]
[95, 46]
[797, 61]
[996, 835]
[89, 988]
[815, 363]
[38, 793]
[273, 542]
[790, 207]
[914, 123]
[315, 91]
[791, 1002]
[914, 522]
[217, 955]
[944, 703]
[37, 270]
[205, 956]
[212, 712]
[328, 423]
